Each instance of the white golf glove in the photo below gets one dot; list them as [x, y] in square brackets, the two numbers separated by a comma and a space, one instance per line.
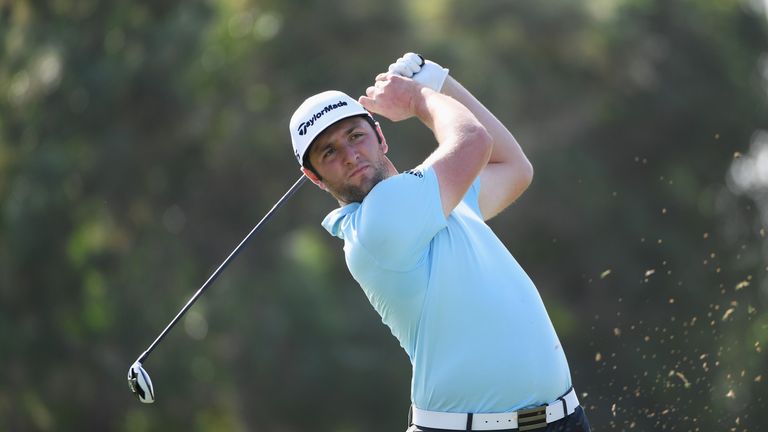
[424, 72]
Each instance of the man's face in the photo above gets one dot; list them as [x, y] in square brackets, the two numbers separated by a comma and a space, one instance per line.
[349, 159]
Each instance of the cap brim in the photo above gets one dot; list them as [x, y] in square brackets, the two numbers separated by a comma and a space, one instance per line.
[313, 137]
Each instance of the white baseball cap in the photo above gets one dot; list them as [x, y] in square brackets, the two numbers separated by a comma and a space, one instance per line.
[316, 114]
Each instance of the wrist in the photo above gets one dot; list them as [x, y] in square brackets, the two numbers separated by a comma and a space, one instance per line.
[420, 106]
[450, 87]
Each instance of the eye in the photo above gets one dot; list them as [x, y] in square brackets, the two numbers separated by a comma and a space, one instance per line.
[356, 135]
[328, 152]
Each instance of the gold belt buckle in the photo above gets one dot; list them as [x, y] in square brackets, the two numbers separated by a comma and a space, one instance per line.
[532, 418]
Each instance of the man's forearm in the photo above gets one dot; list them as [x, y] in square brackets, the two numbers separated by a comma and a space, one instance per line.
[464, 145]
[505, 171]
[505, 147]
[449, 119]
[508, 172]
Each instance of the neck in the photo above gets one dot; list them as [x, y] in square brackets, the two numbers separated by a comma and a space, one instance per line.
[391, 171]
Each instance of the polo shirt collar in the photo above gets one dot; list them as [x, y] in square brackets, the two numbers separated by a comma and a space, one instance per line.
[332, 222]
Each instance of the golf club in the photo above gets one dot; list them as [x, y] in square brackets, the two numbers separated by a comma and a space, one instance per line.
[138, 379]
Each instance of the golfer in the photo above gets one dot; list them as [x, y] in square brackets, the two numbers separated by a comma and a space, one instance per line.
[484, 352]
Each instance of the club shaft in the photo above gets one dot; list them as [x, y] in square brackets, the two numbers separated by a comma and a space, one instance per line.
[221, 267]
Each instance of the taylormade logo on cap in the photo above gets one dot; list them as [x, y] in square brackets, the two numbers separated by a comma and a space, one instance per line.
[304, 125]
[316, 114]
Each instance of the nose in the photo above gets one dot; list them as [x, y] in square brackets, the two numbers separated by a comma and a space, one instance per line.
[350, 153]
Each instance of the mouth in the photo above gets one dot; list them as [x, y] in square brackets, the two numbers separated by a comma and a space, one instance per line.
[358, 171]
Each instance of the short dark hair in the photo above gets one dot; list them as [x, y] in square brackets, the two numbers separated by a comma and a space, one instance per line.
[305, 160]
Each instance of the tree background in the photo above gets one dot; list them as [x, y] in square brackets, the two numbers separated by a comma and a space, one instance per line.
[141, 140]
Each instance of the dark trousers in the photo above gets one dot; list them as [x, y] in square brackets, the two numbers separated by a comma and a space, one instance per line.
[576, 422]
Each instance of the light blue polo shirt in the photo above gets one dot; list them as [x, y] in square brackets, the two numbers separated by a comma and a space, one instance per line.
[472, 322]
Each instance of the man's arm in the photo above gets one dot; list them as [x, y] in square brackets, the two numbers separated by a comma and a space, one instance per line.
[508, 172]
[464, 144]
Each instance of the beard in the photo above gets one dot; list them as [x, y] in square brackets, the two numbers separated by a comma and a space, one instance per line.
[351, 193]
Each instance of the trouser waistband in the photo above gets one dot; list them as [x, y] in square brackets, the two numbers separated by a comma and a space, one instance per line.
[524, 420]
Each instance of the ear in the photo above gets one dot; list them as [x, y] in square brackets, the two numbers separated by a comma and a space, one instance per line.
[384, 146]
[310, 175]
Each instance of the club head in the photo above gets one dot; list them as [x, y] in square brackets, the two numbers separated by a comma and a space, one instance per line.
[140, 384]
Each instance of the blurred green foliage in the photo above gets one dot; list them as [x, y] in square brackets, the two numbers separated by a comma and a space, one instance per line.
[140, 141]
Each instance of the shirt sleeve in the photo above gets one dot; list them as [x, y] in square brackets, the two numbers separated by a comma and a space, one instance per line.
[399, 218]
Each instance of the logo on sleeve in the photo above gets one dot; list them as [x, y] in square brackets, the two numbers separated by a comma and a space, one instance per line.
[416, 172]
